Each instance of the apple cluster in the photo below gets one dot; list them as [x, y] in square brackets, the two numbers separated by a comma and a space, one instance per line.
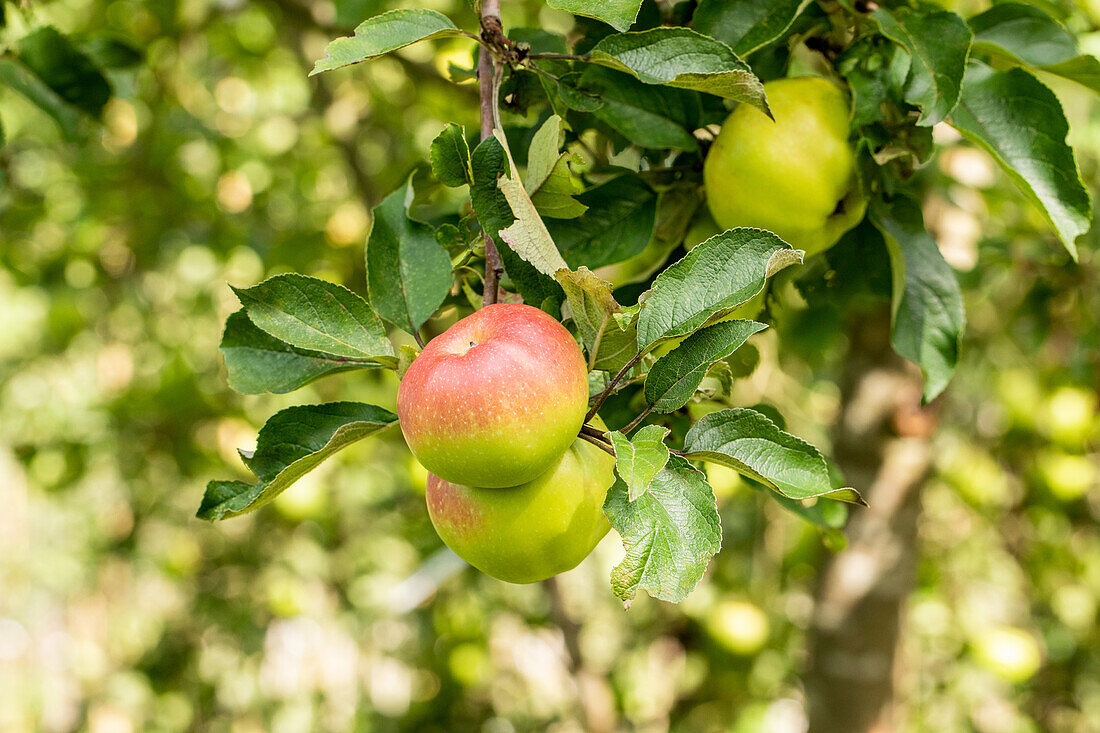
[492, 409]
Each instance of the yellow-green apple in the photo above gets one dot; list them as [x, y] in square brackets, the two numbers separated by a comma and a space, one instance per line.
[1011, 653]
[527, 533]
[794, 176]
[496, 399]
[739, 626]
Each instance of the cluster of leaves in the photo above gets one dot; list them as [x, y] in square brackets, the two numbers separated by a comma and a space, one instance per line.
[637, 78]
[65, 78]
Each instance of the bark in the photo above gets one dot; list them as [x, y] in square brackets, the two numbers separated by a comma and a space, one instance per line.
[882, 444]
[487, 92]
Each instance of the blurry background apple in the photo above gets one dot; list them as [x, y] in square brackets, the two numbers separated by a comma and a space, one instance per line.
[794, 176]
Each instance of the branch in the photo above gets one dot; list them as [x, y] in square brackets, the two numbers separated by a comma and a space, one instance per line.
[638, 420]
[488, 83]
[598, 443]
[602, 396]
[595, 433]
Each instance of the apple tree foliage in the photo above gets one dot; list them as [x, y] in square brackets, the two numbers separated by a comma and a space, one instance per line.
[651, 83]
[69, 79]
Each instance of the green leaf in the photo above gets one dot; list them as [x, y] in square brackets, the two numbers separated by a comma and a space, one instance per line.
[527, 234]
[1020, 122]
[65, 69]
[876, 70]
[938, 42]
[828, 515]
[259, 363]
[618, 224]
[717, 383]
[490, 163]
[670, 533]
[1026, 32]
[384, 33]
[16, 76]
[1027, 35]
[673, 378]
[638, 460]
[927, 304]
[746, 25]
[550, 182]
[751, 444]
[110, 53]
[609, 345]
[450, 157]
[710, 282]
[619, 14]
[291, 444]
[1083, 69]
[408, 271]
[590, 302]
[680, 57]
[650, 116]
[316, 315]
[571, 95]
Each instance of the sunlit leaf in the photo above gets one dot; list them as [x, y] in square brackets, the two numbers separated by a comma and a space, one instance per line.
[670, 533]
[710, 282]
[384, 33]
[316, 315]
[291, 444]
[1020, 123]
[751, 444]
[673, 378]
[640, 458]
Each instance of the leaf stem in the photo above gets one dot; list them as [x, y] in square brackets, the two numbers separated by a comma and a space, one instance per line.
[559, 56]
[638, 420]
[488, 80]
[602, 396]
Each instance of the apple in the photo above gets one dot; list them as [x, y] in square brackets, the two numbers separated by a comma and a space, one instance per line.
[794, 176]
[1008, 652]
[1069, 415]
[496, 399]
[1068, 476]
[527, 533]
[739, 626]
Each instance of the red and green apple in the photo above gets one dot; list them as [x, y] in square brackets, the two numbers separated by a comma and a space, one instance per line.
[496, 399]
[527, 533]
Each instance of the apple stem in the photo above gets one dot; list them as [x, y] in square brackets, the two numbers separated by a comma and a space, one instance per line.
[488, 82]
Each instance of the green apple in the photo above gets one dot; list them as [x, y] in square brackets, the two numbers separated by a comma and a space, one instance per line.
[1068, 476]
[496, 399]
[1069, 415]
[527, 533]
[794, 176]
[739, 626]
[1008, 652]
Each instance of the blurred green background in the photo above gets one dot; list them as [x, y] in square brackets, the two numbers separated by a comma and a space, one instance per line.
[337, 608]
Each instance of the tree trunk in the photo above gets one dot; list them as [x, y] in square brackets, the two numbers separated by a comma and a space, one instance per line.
[882, 445]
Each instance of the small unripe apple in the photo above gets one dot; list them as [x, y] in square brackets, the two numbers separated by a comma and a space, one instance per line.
[739, 626]
[794, 176]
[1008, 652]
[496, 399]
[527, 533]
